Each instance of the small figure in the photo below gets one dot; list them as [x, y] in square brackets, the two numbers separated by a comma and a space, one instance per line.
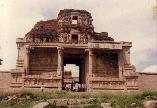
[72, 85]
[76, 87]
[42, 87]
[68, 87]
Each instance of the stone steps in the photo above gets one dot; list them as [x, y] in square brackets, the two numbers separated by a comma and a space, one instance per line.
[20, 63]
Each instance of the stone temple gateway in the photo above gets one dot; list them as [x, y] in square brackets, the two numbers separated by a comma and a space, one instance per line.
[70, 39]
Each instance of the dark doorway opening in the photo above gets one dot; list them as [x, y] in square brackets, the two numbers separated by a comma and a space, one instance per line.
[74, 73]
[74, 19]
[74, 38]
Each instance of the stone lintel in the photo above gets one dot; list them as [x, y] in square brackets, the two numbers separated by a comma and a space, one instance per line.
[40, 77]
[106, 45]
[20, 40]
[127, 44]
[56, 45]
[106, 79]
[20, 71]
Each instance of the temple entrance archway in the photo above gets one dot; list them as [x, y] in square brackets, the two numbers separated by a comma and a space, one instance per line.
[74, 71]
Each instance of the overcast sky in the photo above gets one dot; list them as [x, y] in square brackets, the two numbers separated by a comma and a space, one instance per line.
[124, 20]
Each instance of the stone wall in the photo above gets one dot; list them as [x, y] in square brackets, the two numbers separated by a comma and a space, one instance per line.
[147, 81]
[43, 61]
[105, 64]
[5, 80]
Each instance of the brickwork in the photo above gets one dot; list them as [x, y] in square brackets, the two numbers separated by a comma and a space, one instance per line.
[147, 81]
[47, 61]
[105, 64]
[5, 80]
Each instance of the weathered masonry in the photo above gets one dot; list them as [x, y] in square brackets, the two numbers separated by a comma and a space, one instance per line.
[70, 39]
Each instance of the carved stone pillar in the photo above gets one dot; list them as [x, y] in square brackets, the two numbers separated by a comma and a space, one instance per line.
[60, 66]
[27, 53]
[127, 55]
[90, 62]
[120, 64]
[89, 84]
[18, 48]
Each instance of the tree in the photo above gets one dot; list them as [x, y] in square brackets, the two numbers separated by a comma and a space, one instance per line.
[1, 61]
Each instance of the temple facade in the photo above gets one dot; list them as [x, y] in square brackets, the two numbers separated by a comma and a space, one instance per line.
[70, 39]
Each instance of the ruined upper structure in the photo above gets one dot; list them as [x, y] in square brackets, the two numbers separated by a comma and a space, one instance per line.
[70, 39]
[71, 26]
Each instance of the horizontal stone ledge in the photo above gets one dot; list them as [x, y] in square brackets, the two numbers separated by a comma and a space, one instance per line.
[101, 88]
[55, 45]
[20, 61]
[133, 88]
[15, 85]
[105, 45]
[114, 45]
[20, 65]
[39, 86]
[48, 70]
[43, 78]
[109, 79]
